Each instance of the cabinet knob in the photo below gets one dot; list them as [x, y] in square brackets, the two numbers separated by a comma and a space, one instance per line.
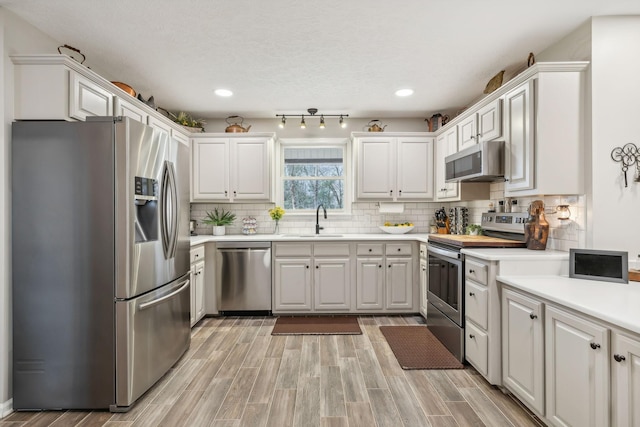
[234, 192]
[400, 192]
[471, 294]
[471, 270]
[380, 266]
[307, 266]
[472, 336]
[618, 357]
[317, 266]
[370, 249]
[226, 193]
[391, 192]
[389, 266]
[399, 249]
[533, 316]
[472, 137]
[594, 346]
[424, 268]
[506, 179]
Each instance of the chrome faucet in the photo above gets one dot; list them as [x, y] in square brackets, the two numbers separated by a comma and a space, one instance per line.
[318, 228]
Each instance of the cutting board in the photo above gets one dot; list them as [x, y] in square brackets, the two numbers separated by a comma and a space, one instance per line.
[466, 241]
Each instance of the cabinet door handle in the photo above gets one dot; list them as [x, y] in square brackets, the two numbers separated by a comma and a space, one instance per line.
[533, 316]
[471, 294]
[472, 336]
[594, 346]
[618, 357]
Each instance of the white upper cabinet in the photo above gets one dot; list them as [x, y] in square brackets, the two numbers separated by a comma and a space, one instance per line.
[125, 108]
[446, 144]
[88, 99]
[231, 168]
[483, 125]
[544, 122]
[519, 128]
[394, 167]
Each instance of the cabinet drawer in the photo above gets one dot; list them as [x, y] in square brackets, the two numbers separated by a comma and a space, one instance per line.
[331, 249]
[476, 306]
[398, 249]
[476, 345]
[292, 249]
[197, 253]
[476, 271]
[369, 249]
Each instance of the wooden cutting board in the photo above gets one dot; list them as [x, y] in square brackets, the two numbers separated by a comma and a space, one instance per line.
[466, 241]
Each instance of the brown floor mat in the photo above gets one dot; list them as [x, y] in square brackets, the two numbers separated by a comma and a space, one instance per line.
[415, 347]
[317, 325]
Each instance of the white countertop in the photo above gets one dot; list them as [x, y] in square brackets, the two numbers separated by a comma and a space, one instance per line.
[514, 254]
[197, 240]
[615, 303]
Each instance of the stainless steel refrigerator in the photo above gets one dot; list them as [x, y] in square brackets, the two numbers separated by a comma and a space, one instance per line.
[101, 299]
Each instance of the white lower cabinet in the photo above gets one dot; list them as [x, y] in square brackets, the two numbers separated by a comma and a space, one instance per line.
[292, 284]
[332, 284]
[344, 277]
[424, 284]
[625, 380]
[399, 283]
[577, 370]
[369, 284]
[557, 362]
[476, 342]
[523, 349]
[197, 279]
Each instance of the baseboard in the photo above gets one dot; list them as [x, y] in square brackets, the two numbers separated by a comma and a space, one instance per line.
[6, 408]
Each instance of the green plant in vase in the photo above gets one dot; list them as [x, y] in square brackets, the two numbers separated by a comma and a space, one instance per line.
[474, 229]
[219, 218]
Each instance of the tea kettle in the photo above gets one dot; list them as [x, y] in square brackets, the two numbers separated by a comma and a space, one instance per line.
[437, 121]
[235, 127]
[374, 126]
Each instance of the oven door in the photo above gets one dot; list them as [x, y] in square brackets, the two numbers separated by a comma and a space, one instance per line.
[446, 282]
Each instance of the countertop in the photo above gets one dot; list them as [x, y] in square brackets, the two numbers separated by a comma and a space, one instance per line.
[615, 303]
[514, 254]
[420, 237]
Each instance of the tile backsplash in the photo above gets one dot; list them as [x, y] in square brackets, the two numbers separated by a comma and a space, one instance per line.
[365, 217]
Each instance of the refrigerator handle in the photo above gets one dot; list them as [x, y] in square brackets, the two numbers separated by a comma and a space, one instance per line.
[163, 298]
[175, 214]
[164, 196]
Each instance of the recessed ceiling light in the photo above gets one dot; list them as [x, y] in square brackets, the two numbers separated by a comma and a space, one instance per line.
[223, 92]
[404, 92]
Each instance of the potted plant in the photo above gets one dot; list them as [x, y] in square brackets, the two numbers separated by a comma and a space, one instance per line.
[474, 229]
[219, 219]
[194, 125]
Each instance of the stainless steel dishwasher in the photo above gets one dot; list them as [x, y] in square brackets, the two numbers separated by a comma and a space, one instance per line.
[244, 277]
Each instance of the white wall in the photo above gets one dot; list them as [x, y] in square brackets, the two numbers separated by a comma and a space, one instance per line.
[615, 89]
[16, 36]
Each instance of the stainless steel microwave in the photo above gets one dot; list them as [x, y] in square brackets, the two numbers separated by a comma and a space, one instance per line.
[482, 162]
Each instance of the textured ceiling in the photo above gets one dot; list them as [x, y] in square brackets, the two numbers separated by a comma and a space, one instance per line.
[284, 56]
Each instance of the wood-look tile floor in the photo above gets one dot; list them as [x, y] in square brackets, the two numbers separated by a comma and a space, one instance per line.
[237, 374]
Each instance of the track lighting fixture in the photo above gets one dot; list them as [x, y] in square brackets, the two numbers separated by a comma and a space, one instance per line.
[312, 113]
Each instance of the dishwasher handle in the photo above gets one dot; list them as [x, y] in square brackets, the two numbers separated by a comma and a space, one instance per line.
[243, 245]
[244, 249]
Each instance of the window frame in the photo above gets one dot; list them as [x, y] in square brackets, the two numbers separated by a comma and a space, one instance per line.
[344, 143]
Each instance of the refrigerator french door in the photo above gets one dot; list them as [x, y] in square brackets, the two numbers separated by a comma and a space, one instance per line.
[100, 248]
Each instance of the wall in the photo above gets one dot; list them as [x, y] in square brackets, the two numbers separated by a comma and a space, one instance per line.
[615, 112]
[16, 36]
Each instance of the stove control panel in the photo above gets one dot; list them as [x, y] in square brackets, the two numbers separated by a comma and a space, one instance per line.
[508, 222]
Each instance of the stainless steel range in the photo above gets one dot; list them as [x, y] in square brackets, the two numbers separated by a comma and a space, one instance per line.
[445, 312]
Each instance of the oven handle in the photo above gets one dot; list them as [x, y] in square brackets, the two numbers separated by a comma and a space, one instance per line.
[444, 252]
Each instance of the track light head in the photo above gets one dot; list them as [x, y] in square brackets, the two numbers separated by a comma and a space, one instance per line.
[303, 125]
[282, 122]
[322, 122]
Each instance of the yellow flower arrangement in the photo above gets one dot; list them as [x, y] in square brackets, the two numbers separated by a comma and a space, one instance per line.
[276, 213]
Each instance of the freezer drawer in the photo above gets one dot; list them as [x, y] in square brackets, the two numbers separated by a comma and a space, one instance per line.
[152, 333]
